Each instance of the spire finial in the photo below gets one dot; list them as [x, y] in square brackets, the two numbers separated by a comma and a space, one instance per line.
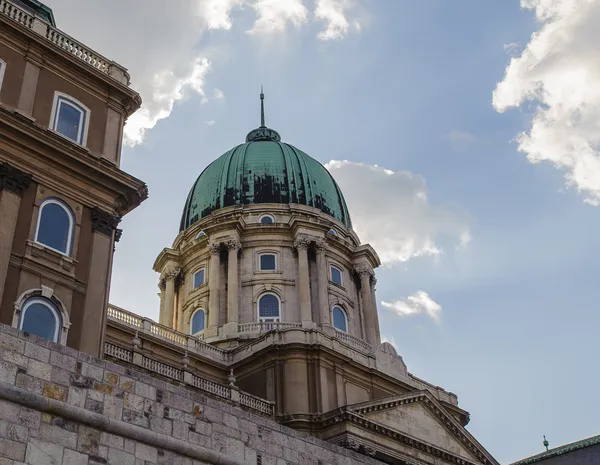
[546, 443]
[262, 108]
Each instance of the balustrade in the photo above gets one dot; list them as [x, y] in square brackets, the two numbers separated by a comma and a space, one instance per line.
[15, 13]
[118, 352]
[354, 341]
[261, 327]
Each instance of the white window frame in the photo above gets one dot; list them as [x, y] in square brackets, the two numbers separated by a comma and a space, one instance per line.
[84, 119]
[331, 267]
[66, 208]
[57, 319]
[264, 319]
[260, 263]
[266, 215]
[194, 277]
[2, 70]
[199, 309]
[345, 318]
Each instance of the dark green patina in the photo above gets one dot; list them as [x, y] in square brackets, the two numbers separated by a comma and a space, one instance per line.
[38, 9]
[562, 450]
[264, 170]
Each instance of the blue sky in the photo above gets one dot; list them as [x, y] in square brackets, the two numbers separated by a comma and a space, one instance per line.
[490, 280]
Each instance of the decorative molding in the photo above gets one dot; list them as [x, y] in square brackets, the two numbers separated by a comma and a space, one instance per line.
[302, 242]
[233, 244]
[364, 270]
[320, 245]
[118, 234]
[214, 248]
[173, 273]
[104, 222]
[13, 179]
[358, 447]
[132, 199]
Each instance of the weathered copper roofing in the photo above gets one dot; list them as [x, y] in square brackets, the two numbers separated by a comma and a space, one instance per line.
[264, 170]
[562, 450]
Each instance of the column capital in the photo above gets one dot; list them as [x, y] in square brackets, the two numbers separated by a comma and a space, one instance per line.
[171, 274]
[13, 179]
[233, 244]
[302, 243]
[373, 282]
[162, 285]
[104, 222]
[214, 248]
[320, 245]
[364, 271]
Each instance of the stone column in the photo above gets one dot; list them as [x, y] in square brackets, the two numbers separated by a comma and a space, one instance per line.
[98, 282]
[375, 312]
[33, 63]
[323, 284]
[170, 275]
[213, 287]
[161, 311]
[233, 246]
[13, 184]
[365, 274]
[301, 244]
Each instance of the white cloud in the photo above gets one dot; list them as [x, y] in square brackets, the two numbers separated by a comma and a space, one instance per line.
[559, 70]
[334, 13]
[512, 49]
[218, 12]
[461, 141]
[273, 15]
[390, 210]
[210, 122]
[218, 94]
[416, 304]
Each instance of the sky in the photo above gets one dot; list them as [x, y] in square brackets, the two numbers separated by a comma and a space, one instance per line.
[465, 137]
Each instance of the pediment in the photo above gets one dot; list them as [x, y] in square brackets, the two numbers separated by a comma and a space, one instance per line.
[418, 415]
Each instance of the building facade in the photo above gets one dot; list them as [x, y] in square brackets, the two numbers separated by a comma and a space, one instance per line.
[267, 296]
[584, 452]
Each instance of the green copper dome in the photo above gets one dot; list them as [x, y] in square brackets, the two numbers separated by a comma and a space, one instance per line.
[264, 170]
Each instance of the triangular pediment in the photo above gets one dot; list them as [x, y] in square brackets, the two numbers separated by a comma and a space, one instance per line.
[420, 416]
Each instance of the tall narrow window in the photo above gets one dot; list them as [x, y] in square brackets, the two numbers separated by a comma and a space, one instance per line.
[39, 316]
[55, 226]
[198, 321]
[268, 262]
[199, 278]
[2, 70]
[336, 275]
[268, 309]
[70, 118]
[340, 321]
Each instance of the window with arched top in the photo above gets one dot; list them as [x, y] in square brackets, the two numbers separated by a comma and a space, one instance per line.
[269, 308]
[198, 322]
[340, 320]
[55, 226]
[266, 219]
[40, 316]
[70, 118]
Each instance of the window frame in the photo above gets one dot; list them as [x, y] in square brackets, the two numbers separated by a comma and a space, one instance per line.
[266, 215]
[331, 268]
[61, 98]
[260, 254]
[199, 309]
[58, 324]
[71, 216]
[263, 319]
[345, 318]
[203, 277]
[2, 70]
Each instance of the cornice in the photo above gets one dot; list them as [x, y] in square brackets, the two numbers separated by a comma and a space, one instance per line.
[13, 179]
[104, 222]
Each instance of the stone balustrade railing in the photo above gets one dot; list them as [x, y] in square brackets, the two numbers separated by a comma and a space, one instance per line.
[142, 325]
[262, 327]
[63, 41]
[353, 341]
[231, 393]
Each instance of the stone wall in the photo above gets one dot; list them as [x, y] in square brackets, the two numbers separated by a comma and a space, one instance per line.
[62, 407]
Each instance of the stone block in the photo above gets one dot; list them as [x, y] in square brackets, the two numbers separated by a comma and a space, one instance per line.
[9, 411]
[54, 391]
[235, 448]
[231, 421]
[227, 431]
[104, 388]
[13, 431]
[30, 383]
[113, 407]
[180, 430]
[39, 370]
[199, 439]
[92, 371]
[129, 446]
[15, 358]
[41, 452]
[71, 457]
[11, 343]
[94, 406]
[8, 372]
[111, 440]
[161, 425]
[120, 457]
[145, 390]
[135, 418]
[127, 384]
[134, 402]
[274, 450]
[95, 395]
[57, 435]
[88, 440]
[37, 352]
[77, 396]
[248, 427]
[28, 418]
[212, 414]
[60, 376]
[144, 452]
[111, 378]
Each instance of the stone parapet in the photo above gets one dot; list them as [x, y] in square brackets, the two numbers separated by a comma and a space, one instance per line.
[64, 407]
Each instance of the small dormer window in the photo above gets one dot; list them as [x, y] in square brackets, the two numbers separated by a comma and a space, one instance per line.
[266, 219]
[201, 235]
[332, 232]
[70, 118]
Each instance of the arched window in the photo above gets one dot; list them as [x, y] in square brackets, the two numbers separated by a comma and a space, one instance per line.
[39, 316]
[332, 232]
[70, 118]
[266, 219]
[198, 321]
[268, 309]
[55, 226]
[340, 322]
